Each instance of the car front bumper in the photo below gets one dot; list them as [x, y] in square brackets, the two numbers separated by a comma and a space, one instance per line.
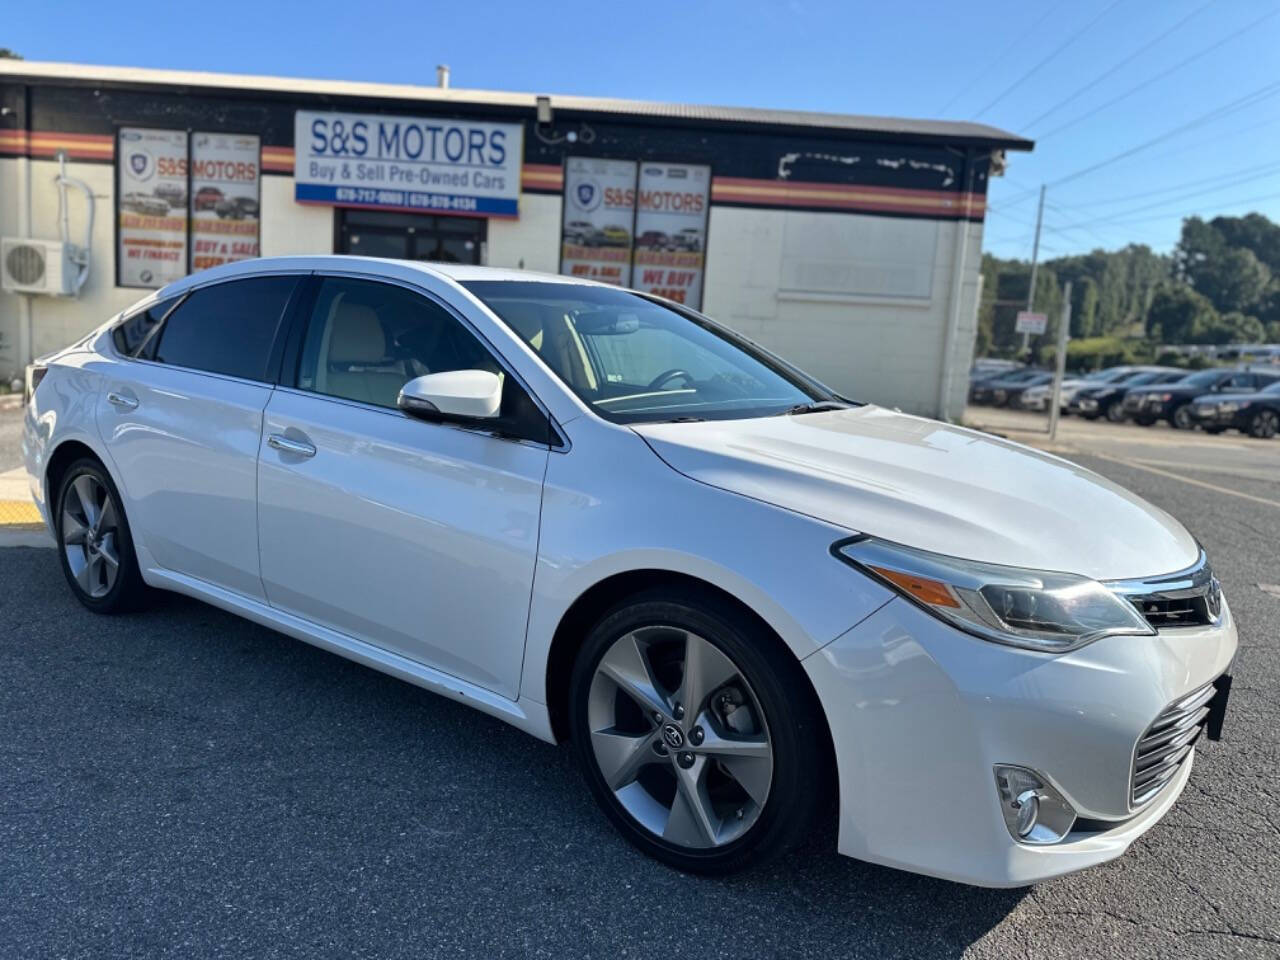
[1213, 417]
[921, 713]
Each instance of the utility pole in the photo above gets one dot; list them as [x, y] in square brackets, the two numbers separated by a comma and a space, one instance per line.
[1064, 329]
[1035, 262]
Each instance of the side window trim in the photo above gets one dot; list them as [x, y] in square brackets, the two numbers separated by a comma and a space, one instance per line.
[302, 276]
[151, 334]
[292, 356]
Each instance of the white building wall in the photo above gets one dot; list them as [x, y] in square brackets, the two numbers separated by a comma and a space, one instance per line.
[291, 228]
[861, 302]
[533, 241]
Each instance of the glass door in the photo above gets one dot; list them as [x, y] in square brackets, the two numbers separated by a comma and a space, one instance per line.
[411, 236]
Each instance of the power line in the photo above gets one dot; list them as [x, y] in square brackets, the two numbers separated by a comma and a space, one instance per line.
[1053, 53]
[1272, 165]
[1223, 206]
[1159, 76]
[1217, 113]
[1123, 63]
[1017, 41]
[1119, 215]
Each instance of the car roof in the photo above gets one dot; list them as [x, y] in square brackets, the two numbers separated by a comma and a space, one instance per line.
[457, 272]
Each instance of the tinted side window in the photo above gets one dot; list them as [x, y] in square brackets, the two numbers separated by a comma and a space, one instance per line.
[228, 328]
[133, 333]
[365, 340]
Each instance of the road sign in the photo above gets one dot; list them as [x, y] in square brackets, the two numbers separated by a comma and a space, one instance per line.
[1032, 323]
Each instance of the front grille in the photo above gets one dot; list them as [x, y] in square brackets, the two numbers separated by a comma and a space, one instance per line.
[1175, 612]
[1188, 598]
[1167, 743]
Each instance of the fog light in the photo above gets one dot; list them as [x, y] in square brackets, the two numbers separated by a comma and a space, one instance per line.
[1033, 809]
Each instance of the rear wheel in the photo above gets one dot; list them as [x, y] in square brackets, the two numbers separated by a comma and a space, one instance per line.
[1144, 421]
[697, 733]
[1264, 424]
[1213, 430]
[94, 543]
[1181, 417]
[1115, 413]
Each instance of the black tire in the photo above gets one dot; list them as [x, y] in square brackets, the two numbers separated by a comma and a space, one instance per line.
[127, 591]
[1089, 416]
[1115, 412]
[796, 729]
[1181, 417]
[1213, 430]
[1145, 421]
[1264, 424]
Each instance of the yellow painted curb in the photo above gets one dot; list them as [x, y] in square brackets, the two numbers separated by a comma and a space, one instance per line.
[19, 513]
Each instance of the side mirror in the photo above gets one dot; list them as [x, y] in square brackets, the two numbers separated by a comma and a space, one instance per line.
[456, 395]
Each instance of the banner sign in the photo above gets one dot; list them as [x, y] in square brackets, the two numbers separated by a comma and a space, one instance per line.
[412, 164]
[599, 214]
[671, 230]
[151, 207]
[224, 198]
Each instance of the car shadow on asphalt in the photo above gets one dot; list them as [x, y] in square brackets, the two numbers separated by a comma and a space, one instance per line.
[366, 810]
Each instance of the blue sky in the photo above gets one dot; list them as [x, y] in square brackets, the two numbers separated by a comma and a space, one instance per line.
[1010, 63]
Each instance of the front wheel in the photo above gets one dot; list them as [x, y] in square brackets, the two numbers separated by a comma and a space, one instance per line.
[1115, 413]
[94, 543]
[1181, 418]
[697, 733]
[1264, 424]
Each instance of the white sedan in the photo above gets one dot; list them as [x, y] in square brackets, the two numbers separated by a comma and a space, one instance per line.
[603, 518]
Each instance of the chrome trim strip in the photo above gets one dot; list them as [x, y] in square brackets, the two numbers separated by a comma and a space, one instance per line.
[1195, 582]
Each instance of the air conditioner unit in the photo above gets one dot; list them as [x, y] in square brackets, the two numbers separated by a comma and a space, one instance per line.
[38, 266]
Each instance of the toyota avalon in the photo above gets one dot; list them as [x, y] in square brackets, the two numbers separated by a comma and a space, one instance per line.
[605, 519]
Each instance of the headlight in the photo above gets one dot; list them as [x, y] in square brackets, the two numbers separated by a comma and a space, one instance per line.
[1034, 609]
[1231, 406]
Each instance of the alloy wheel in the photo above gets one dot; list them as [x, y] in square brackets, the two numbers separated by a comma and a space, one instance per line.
[90, 531]
[679, 737]
[1182, 417]
[1265, 424]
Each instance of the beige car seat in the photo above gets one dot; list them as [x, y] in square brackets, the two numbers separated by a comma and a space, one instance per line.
[354, 362]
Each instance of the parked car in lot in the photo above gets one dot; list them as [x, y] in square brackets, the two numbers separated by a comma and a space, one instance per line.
[1004, 394]
[1037, 398]
[607, 519]
[1257, 414]
[1107, 399]
[1173, 401]
[984, 390]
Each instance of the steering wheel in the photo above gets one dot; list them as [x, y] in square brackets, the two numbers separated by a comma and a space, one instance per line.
[662, 378]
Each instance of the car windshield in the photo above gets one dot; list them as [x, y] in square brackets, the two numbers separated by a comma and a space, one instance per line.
[635, 360]
[1136, 379]
[1271, 388]
[1205, 378]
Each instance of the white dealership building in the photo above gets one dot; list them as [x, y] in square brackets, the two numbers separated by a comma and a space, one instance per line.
[848, 244]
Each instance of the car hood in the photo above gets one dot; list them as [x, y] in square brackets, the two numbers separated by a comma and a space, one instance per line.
[932, 486]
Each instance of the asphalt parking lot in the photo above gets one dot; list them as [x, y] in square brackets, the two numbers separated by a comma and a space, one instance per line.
[183, 783]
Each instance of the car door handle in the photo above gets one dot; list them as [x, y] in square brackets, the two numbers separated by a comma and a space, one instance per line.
[298, 448]
[120, 400]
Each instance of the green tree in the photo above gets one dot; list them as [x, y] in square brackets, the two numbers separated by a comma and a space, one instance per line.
[1179, 314]
[7, 54]
[1232, 277]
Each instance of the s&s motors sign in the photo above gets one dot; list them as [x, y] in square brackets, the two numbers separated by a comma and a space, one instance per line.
[408, 163]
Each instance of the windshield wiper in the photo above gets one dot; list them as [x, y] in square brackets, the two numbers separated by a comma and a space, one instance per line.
[815, 406]
[683, 419]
